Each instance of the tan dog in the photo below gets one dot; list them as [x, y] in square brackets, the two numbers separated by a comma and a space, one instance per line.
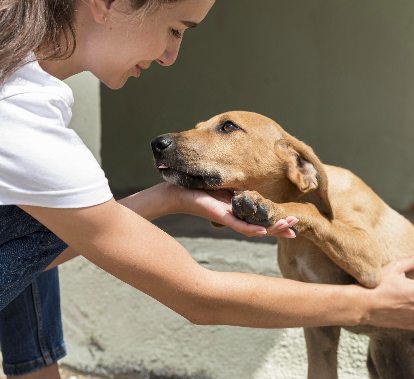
[345, 235]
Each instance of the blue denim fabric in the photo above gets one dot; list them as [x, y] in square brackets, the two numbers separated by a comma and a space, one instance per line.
[31, 333]
[30, 322]
[26, 249]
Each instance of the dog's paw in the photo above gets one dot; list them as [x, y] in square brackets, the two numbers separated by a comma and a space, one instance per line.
[253, 208]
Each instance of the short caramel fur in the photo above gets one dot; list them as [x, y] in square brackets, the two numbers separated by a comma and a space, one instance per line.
[345, 235]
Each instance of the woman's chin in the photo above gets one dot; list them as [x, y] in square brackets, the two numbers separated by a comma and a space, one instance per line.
[112, 83]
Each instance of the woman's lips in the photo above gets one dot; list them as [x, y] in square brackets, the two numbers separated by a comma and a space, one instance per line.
[139, 67]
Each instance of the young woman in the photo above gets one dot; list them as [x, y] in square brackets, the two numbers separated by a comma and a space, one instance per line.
[53, 194]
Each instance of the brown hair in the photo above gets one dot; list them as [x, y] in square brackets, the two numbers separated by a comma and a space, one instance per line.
[27, 25]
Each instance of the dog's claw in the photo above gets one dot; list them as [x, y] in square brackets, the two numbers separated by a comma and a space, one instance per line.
[296, 230]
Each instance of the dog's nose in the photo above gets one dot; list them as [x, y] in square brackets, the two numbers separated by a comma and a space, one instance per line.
[161, 144]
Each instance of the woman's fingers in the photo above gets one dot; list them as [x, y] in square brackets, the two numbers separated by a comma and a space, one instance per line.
[256, 230]
[288, 233]
[281, 227]
[401, 266]
[243, 227]
[392, 302]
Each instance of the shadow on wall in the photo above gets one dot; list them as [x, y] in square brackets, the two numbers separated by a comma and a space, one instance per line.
[338, 75]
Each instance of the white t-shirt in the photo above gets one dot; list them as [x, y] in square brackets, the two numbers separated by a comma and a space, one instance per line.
[42, 161]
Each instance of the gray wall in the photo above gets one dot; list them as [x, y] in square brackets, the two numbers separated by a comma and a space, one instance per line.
[337, 74]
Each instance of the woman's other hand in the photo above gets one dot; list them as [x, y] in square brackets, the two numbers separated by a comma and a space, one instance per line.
[391, 304]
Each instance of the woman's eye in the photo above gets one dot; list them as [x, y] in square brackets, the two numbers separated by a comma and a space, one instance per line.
[229, 127]
[176, 34]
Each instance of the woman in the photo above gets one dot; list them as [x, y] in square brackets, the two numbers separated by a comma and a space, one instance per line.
[52, 190]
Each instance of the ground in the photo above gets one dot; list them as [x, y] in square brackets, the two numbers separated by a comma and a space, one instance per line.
[68, 373]
[65, 373]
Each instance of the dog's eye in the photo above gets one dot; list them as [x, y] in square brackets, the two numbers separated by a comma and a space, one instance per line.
[228, 127]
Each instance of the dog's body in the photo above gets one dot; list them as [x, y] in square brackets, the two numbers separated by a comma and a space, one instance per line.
[345, 235]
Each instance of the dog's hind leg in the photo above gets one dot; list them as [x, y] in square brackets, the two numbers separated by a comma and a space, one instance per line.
[322, 345]
[391, 357]
[372, 369]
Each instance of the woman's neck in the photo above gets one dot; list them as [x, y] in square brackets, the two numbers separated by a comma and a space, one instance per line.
[62, 69]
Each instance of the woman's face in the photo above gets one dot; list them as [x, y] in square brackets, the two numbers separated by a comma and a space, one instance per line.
[116, 45]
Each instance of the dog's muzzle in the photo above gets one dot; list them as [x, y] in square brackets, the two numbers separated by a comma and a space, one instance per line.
[174, 167]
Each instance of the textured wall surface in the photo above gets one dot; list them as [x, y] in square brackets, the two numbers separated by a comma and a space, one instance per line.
[112, 328]
[337, 74]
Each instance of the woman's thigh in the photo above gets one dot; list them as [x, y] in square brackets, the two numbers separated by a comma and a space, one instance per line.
[31, 333]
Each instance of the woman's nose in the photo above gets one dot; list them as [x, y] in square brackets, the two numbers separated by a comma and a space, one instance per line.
[170, 54]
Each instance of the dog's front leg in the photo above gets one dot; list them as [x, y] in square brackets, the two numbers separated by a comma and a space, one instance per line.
[322, 346]
[351, 247]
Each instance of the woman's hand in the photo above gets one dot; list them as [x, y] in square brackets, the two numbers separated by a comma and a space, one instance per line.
[216, 206]
[391, 304]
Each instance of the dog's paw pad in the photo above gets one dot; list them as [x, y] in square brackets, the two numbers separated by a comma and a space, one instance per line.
[249, 207]
[236, 206]
[262, 212]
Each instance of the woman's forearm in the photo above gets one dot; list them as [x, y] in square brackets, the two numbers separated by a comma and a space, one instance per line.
[151, 203]
[263, 302]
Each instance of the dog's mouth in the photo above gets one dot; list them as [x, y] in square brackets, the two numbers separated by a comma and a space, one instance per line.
[190, 178]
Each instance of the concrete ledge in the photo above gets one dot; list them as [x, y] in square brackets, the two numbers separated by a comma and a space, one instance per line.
[110, 328]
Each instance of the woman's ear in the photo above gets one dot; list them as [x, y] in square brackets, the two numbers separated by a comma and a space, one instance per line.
[100, 10]
[306, 171]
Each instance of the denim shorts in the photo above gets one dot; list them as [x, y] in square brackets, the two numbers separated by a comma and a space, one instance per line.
[31, 334]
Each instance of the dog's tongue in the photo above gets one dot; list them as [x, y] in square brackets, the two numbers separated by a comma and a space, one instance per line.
[162, 166]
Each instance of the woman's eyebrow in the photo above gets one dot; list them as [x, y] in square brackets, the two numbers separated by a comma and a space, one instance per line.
[189, 24]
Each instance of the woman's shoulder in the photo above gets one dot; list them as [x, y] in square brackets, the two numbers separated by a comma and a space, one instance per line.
[33, 96]
[31, 80]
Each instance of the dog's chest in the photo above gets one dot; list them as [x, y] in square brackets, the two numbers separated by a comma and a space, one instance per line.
[300, 259]
[305, 266]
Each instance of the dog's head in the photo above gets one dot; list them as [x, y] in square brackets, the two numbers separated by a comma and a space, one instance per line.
[244, 151]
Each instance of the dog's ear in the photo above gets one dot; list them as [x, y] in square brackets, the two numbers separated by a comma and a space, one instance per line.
[306, 171]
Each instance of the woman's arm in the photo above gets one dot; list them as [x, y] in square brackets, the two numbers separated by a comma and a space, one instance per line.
[164, 199]
[129, 247]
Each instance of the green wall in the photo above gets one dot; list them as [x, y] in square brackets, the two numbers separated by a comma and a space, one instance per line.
[338, 74]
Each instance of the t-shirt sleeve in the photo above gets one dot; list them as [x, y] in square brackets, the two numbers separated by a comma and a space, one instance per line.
[42, 162]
